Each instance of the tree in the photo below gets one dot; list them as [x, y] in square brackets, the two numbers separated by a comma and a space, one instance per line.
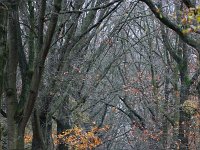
[18, 112]
[182, 62]
[76, 67]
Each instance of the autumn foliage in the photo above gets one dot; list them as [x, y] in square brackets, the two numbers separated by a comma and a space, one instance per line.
[78, 138]
[28, 138]
[191, 20]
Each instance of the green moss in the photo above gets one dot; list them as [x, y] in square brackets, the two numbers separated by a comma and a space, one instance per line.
[186, 80]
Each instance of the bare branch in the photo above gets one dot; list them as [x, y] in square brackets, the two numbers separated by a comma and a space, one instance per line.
[92, 9]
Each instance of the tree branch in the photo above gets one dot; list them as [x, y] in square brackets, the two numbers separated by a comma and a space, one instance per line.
[92, 9]
[194, 77]
[133, 112]
[165, 20]
[3, 113]
[188, 3]
[168, 45]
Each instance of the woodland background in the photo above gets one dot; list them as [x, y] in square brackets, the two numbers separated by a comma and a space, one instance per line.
[99, 74]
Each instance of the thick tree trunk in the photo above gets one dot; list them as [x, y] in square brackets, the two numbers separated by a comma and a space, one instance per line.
[10, 85]
[20, 138]
[63, 123]
[46, 122]
[62, 126]
[37, 142]
[42, 126]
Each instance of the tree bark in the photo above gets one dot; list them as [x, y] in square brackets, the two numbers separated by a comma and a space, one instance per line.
[11, 68]
[38, 140]
[3, 18]
[63, 123]
[184, 119]
[16, 121]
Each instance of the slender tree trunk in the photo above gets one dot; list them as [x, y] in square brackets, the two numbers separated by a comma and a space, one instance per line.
[184, 119]
[198, 118]
[166, 101]
[3, 18]
[184, 123]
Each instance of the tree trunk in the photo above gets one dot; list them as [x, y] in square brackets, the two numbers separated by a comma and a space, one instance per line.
[3, 18]
[10, 81]
[37, 142]
[184, 119]
[166, 103]
[42, 127]
[198, 118]
[46, 122]
[62, 126]
[63, 123]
